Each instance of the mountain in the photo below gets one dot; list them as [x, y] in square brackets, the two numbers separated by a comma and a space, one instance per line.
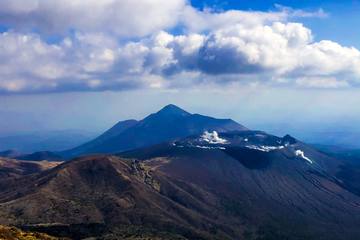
[103, 139]
[349, 155]
[230, 185]
[36, 156]
[348, 171]
[44, 140]
[10, 168]
[40, 156]
[169, 123]
[344, 138]
[10, 153]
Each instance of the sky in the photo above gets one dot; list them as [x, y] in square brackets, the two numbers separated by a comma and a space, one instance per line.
[273, 65]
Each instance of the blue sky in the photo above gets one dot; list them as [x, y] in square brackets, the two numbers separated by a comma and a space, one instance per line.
[267, 64]
[343, 15]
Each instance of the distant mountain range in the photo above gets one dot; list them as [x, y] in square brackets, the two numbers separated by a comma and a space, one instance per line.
[347, 139]
[169, 123]
[44, 141]
[185, 176]
[10, 154]
[36, 156]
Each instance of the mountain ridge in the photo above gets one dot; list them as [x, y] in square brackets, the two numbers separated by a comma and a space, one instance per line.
[169, 123]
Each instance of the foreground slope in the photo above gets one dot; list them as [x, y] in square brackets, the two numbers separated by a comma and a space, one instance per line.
[10, 168]
[239, 185]
[98, 195]
[12, 233]
[169, 123]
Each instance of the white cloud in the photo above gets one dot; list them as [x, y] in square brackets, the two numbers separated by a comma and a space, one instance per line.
[241, 49]
[330, 58]
[24, 58]
[282, 53]
[320, 13]
[28, 64]
[210, 20]
[120, 17]
[320, 82]
[215, 47]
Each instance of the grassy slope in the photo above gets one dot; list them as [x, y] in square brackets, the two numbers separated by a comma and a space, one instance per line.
[12, 233]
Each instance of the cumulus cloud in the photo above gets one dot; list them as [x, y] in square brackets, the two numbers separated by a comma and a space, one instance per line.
[121, 45]
[281, 53]
[28, 64]
[210, 20]
[279, 50]
[121, 17]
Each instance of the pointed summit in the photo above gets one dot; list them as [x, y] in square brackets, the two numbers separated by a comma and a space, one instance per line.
[173, 110]
[168, 124]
